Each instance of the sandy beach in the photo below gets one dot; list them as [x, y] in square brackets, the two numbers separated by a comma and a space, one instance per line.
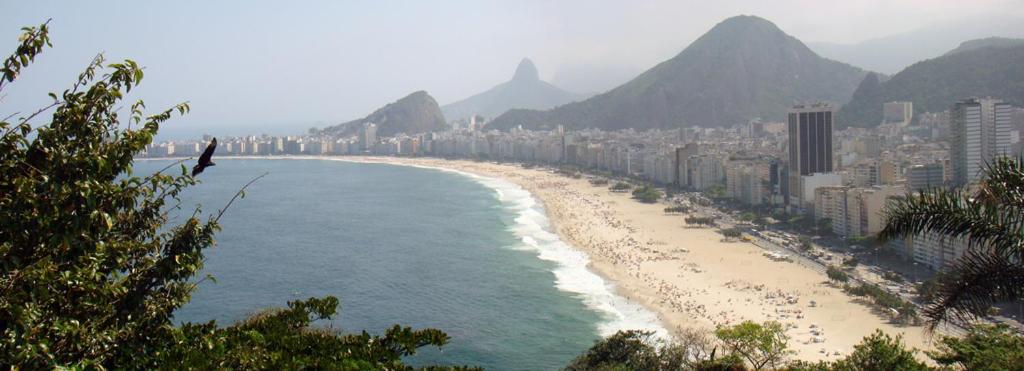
[690, 276]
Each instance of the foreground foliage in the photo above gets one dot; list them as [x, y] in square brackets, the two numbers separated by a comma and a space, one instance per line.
[985, 347]
[90, 271]
[763, 346]
[991, 220]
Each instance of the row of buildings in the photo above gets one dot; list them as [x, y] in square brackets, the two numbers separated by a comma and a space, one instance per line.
[803, 165]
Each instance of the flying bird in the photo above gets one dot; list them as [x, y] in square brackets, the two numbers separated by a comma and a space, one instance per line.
[204, 159]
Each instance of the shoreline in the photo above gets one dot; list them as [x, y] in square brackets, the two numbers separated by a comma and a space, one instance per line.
[688, 277]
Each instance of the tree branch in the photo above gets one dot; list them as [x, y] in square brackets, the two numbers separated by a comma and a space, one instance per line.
[237, 194]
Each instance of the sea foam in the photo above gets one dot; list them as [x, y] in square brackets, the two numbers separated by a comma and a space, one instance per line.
[572, 275]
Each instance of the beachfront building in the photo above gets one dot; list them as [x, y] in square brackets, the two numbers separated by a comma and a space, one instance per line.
[828, 201]
[367, 136]
[810, 146]
[659, 167]
[809, 183]
[934, 250]
[706, 171]
[747, 181]
[981, 131]
[683, 154]
[855, 211]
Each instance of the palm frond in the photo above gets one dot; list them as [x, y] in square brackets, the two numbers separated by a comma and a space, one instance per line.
[956, 214]
[1003, 185]
[973, 284]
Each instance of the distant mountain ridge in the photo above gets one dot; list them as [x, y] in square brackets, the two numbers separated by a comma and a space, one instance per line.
[525, 90]
[934, 85]
[998, 42]
[891, 54]
[413, 114]
[744, 67]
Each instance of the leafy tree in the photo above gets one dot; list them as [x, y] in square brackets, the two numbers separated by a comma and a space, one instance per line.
[626, 350]
[640, 351]
[892, 276]
[879, 351]
[805, 244]
[732, 233]
[809, 366]
[851, 262]
[760, 220]
[824, 226]
[90, 271]
[990, 219]
[906, 312]
[762, 345]
[985, 347]
[647, 194]
[836, 274]
[700, 220]
[748, 216]
[677, 209]
[283, 340]
[621, 187]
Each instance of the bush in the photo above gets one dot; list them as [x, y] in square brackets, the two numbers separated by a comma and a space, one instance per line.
[647, 194]
[760, 344]
[700, 220]
[985, 347]
[892, 276]
[851, 262]
[907, 312]
[639, 350]
[621, 187]
[732, 233]
[836, 274]
[880, 351]
[677, 209]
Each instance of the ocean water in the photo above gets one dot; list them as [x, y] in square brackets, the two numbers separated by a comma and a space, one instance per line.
[472, 256]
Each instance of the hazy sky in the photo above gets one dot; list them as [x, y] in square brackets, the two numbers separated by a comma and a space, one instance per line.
[281, 67]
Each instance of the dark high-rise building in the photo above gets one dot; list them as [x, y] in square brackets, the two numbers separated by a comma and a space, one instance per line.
[810, 143]
[924, 177]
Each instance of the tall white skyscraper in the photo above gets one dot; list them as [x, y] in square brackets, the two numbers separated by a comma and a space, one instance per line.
[980, 132]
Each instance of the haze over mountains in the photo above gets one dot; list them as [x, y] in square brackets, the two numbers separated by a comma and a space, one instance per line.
[978, 68]
[525, 90]
[744, 67]
[893, 53]
[413, 114]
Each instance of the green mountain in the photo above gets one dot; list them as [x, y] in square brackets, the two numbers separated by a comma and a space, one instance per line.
[416, 113]
[999, 42]
[744, 67]
[934, 85]
[525, 90]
